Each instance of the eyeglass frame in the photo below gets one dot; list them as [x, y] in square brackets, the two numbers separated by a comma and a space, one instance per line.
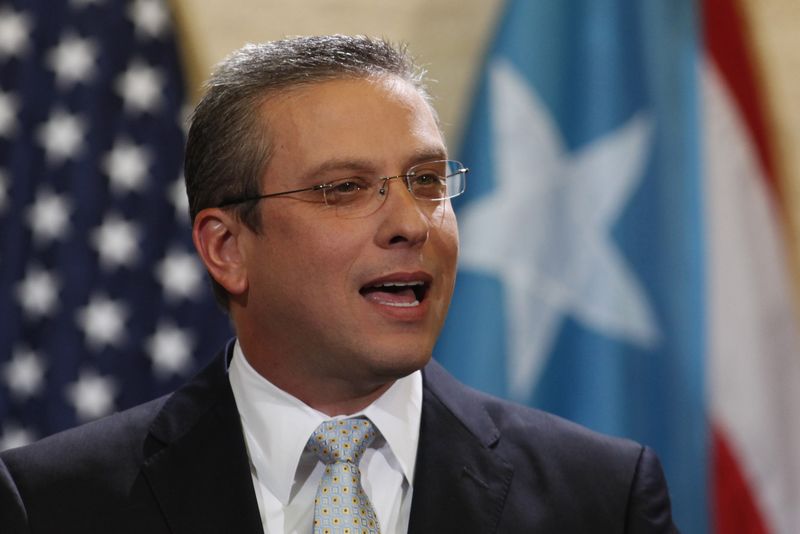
[461, 169]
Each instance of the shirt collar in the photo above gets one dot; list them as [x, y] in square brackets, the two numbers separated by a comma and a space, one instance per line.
[278, 424]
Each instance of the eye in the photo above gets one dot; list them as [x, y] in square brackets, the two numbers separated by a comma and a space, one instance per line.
[345, 187]
[346, 190]
[428, 184]
[426, 178]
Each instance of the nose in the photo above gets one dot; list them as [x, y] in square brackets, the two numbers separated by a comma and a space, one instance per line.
[404, 222]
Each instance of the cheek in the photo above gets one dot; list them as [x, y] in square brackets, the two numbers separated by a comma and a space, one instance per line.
[325, 257]
[447, 237]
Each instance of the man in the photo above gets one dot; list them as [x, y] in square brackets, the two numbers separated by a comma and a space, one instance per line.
[319, 187]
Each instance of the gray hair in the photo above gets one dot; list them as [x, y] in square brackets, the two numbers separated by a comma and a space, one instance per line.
[228, 147]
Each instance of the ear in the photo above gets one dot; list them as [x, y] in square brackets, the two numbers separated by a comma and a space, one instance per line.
[216, 236]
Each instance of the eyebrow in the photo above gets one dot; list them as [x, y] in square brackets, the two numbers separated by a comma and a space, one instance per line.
[364, 165]
[427, 154]
[361, 165]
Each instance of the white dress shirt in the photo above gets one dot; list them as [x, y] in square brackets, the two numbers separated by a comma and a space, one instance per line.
[285, 475]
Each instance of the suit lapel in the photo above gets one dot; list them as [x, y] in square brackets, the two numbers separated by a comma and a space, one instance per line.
[198, 468]
[460, 483]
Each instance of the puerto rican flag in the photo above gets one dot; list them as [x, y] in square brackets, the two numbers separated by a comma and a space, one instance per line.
[624, 257]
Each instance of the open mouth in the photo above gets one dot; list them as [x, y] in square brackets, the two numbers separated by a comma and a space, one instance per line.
[398, 294]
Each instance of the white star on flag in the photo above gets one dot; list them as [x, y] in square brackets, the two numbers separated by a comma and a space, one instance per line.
[140, 87]
[24, 373]
[126, 166]
[9, 107]
[37, 293]
[62, 136]
[48, 216]
[180, 275]
[117, 242]
[73, 60]
[184, 118]
[150, 17]
[92, 395]
[15, 29]
[103, 321]
[179, 200]
[170, 349]
[565, 261]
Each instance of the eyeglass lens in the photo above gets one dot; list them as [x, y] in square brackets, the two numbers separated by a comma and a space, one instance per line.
[431, 181]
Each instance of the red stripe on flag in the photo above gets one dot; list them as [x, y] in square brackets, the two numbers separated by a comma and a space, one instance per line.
[724, 30]
[734, 508]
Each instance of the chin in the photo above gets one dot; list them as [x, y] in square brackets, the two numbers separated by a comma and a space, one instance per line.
[395, 366]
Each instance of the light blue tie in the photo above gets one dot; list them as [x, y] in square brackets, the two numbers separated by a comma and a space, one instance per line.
[341, 506]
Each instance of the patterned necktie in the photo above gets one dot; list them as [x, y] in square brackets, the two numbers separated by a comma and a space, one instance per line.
[341, 506]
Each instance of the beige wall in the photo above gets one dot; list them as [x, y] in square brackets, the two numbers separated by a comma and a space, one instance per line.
[447, 36]
[450, 37]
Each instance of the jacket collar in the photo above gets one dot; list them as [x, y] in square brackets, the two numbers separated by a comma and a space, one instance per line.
[197, 465]
[461, 483]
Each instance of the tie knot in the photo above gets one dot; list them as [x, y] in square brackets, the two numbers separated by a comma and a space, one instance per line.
[342, 440]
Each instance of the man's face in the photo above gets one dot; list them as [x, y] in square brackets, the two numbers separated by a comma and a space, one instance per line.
[317, 302]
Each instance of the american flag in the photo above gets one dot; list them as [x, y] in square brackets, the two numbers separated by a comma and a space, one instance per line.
[103, 303]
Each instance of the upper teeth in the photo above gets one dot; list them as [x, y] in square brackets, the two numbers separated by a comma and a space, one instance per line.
[400, 284]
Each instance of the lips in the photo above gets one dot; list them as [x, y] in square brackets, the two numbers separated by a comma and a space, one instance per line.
[399, 290]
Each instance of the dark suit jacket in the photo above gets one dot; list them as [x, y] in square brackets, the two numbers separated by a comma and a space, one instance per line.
[179, 465]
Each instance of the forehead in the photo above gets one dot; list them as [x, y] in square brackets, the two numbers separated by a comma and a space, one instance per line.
[383, 120]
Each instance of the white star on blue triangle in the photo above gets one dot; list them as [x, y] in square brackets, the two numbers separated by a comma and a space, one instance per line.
[545, 231]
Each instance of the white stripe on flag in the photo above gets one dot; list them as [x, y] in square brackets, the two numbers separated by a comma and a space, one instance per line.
[754, 365]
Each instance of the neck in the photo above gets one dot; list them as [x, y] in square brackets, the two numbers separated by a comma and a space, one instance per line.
[346, 404]
[331, 395]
